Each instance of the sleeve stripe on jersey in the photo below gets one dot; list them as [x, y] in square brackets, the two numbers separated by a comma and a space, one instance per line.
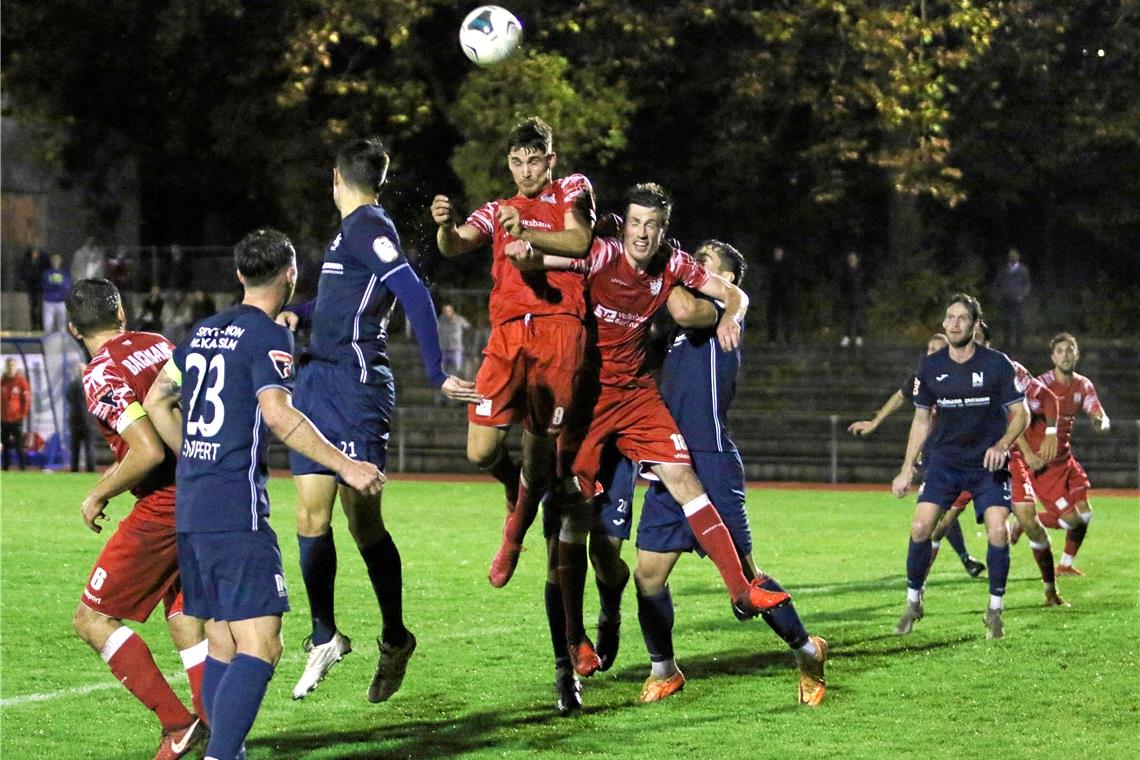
[393, 270]
[267, 386]
[134, 411]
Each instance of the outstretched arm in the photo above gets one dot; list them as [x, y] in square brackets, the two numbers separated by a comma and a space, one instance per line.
[452, 239]
[866, 427]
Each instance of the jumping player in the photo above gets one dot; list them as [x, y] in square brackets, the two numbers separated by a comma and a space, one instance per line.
[698, 383]
[629, 279]
[238, 371]
[537, 342]
[950, 529]
[981, 413]
[138, 566]
[364, 272]
[1060, 481]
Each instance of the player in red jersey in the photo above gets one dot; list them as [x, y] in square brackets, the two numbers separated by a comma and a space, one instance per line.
[138, 566]
[534, 354]
[629, 280]
[1060, 481]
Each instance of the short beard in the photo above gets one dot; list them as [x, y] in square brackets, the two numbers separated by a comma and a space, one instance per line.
[964, 342]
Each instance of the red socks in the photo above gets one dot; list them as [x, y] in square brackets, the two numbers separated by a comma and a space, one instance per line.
[132, 663]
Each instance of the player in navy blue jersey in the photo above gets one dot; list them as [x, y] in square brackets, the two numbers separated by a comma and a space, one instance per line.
[981, 413]
[364, 273]
[948, 528]
[698, 383]
[227, 385]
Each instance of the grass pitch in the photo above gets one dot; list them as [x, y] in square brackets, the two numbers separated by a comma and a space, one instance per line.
[1063, 683]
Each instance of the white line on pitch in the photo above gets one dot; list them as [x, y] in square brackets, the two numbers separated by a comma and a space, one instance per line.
[75, 691]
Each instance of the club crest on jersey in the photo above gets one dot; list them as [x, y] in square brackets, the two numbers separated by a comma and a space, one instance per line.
[335, 242]
[384, 249]
[282, 362]
[655, 286]
[977, 379]
[548, 198]
[1077, 398]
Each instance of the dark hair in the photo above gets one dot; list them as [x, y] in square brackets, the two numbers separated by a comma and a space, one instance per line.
[94, 305]
[984, 326]
[531, 134]
[729, 256]
[650, 195]
[261, 254]
[969, 302]
[1061, 338]
[363, 163]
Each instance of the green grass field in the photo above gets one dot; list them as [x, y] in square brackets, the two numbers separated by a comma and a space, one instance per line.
[1064, 683]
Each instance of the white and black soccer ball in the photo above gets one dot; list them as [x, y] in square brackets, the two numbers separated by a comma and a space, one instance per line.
[490, 34]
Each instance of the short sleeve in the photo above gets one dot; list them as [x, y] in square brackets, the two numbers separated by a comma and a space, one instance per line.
[272, 362]
[110, 397]
[687, 271]
[577, 192]
[483, 219]
[1009, 390]
[920, 390]
[907, 388]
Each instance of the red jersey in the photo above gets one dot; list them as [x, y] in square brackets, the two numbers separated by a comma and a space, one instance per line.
[1071, 398]
[515, 294]
[623, 300]
[15, 398]
[1042, 405]
[116, 381]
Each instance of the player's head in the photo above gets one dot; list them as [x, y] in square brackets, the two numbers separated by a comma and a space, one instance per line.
[56, 261]
[647, 209]
[447, 310]
[530, 155]
[266, 258]
[10, 367]
[982, 332]
[937, 342]
[361, 165]
[721, 258]
[962, 313]
[94, 306]
[1064, 351]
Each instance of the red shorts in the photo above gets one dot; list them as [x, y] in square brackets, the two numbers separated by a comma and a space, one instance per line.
[1021, 489]
[137, 568]
[528, 374]
[1061, 485]
[641, 427]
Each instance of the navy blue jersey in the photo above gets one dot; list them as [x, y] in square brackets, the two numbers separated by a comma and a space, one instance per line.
[972, 401]
[225, 361]
[698, 383]
[363, 274]
[908, 386]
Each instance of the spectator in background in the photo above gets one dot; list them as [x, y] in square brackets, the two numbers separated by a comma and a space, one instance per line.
[854, 300]
[88, 262]
[781, 288]
[149, 316]
[1013, 291]
[201, 306]
[79, 422]
[32, 269]
[56, 285]
[452, 327]
[15, 403]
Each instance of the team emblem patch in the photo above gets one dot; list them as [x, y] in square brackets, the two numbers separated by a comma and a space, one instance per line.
[655, 286]
[282, 362]
[384, 249]
[977, 379]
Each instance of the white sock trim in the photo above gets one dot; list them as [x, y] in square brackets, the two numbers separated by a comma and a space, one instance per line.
[808, 648]
[1086, 517]
[935, 544]
[116, 640]
[572, 536]
[913, 594]
[696, 505]
[663, 669]
[997, 602]
[1039, 547]
[1066, 560]
[195, 655]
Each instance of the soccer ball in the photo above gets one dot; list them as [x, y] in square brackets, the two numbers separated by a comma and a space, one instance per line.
[490, 34]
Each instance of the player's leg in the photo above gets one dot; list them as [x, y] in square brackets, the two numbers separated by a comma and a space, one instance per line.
[533, 482]
[713, 536]
[1075, 521]
[487, 450]
[926, 517]
[499, 380]
[1025, 514]
[567, 687]
[655, 615]
[612, 516]
[997, 557]
[254, 646]
[188, 634]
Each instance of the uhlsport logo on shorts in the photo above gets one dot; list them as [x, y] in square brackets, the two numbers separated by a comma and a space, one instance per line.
[483, 408]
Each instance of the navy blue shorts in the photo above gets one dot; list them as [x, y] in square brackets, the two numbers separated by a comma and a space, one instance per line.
[355, 417]
[942, 485]
[235, 575]
[613, 505]
[663, 526]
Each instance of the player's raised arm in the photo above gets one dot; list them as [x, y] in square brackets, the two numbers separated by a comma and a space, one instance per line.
[919, 431]
[452, 239]
[296, 431]
[161, 405]
[866, 427]
[689, 311]
[145, 452]
[735, 303]
[572, 241]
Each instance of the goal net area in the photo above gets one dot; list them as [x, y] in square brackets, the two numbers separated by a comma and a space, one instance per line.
[50, 363]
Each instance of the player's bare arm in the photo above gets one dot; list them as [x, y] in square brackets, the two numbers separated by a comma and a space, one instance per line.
[573, 240]
[145, 452]
[527, 258]
[1032, 459]
[161, 406]
[452, 239]
[919, 431]
[995, 455]
[296, 431]
[866, 427]
[735, 303]
[689, 311]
